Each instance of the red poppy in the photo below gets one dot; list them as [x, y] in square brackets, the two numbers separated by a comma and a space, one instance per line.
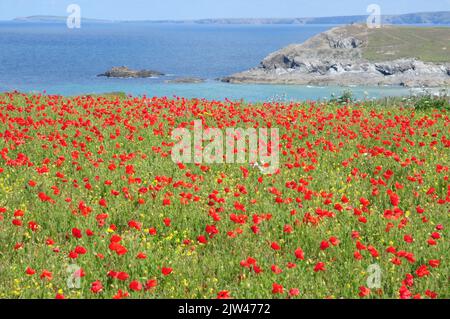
[364, 291]
[152, 283]
[167, 221]
[122, 276]
[46, 275]
[96, 287]
[202, 239]
[422, 271]
[320, 266]
[224, 294]
[77, 233]
[277, 288]
[30, 271]
[121, 294]
[324, 245]
[299, 254]
[434, 263]
[294, 292]
[135, 285]
[166, 271]
[276, 270]
[275, 246]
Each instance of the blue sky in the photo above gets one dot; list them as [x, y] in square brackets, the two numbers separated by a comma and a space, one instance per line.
[195, 9]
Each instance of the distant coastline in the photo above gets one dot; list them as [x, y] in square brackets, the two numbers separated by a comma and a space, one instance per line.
[439, 18]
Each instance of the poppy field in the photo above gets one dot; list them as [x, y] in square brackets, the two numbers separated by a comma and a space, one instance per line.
[92, 205]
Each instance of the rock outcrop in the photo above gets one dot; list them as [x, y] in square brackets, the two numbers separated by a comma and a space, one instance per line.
[336, 57]
[125, 72]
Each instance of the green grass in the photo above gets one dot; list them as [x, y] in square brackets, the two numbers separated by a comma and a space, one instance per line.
[429, 44]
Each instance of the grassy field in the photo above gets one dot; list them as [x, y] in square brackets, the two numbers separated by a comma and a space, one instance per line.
[92, 206]
[430, 44]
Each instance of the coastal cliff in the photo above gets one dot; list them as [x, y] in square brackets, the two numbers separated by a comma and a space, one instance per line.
[357, 55]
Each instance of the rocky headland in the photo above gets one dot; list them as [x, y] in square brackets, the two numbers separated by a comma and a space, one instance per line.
[345, 56]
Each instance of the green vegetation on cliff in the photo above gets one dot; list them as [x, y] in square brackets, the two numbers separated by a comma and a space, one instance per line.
[430, 44]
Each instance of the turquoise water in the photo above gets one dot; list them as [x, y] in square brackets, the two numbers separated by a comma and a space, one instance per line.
[215, 90]
[37, 57]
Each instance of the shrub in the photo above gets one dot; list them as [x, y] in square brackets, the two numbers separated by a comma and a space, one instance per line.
[346, 97]
[427, 102]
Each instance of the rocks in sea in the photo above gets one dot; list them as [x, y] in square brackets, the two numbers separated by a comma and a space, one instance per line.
[125, 72]
[186, 80]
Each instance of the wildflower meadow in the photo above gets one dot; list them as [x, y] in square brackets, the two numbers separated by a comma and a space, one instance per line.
[92, 204]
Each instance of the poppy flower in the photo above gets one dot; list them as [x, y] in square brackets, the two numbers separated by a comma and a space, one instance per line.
[202, 239]
[299, 254]
[404, 292]
[166, 271]
[294, 292]
[73, 255]
[141, 256]
[394, 198]
[167, 221]
[151, 283]
[33, 226]
[288, 229]
[324, 245]
[409, 280]
[276, 270]
[121, 295]
[277, 288]
[96, 287]
[77, 233]
[30, 271]
[135, 285]
[364, 291]
[46, 275]
[320, 266]
[275, 246]
[122, 276]
[102, 202]
[373, 251]
[80, 250]
[224, 294]
[434, 263]
[334, 241]
[129, 169]
[17, 222]
[422, 271]
[408, 238]
[431, 294]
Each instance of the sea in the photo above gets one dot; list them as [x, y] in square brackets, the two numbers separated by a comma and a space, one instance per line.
[53, 59]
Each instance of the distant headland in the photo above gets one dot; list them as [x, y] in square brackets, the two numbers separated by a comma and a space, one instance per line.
[442, 17]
